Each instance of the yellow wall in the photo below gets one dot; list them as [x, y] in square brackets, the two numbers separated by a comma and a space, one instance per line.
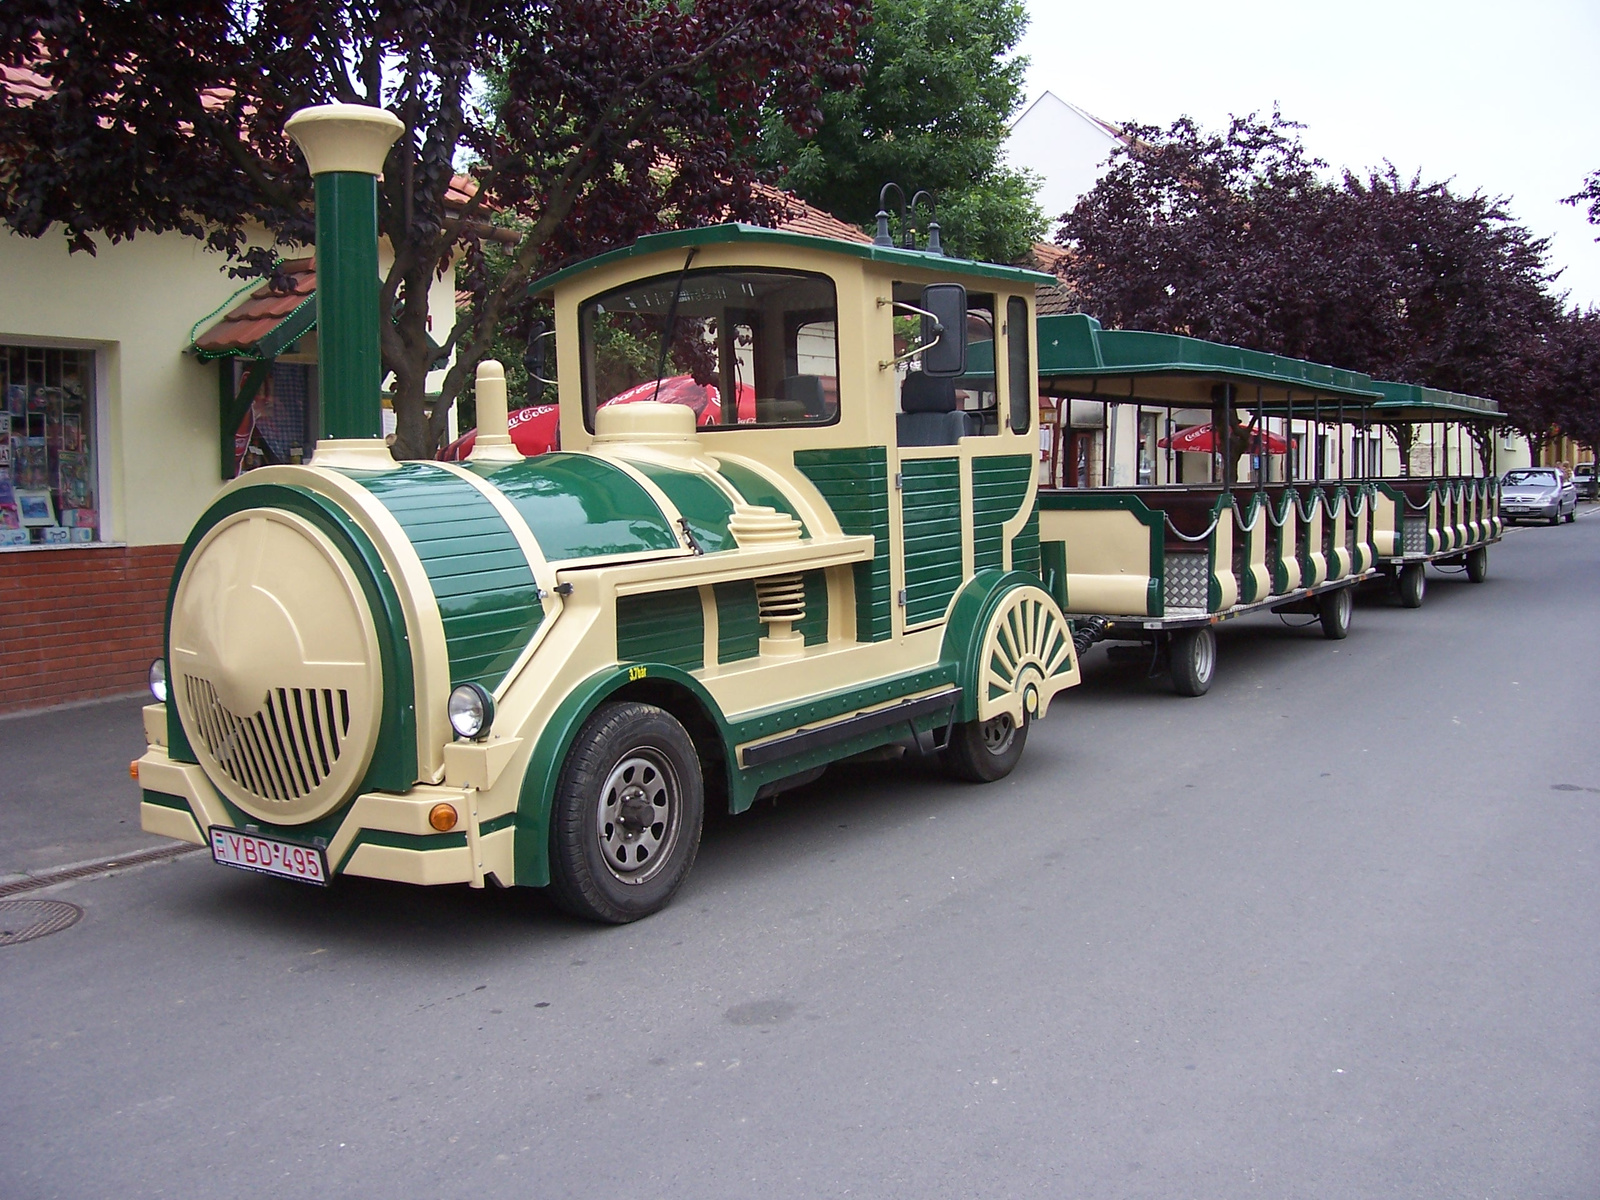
[156, 437]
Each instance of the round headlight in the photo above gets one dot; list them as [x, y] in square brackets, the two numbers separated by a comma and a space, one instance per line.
[158, 679]
[471, 710]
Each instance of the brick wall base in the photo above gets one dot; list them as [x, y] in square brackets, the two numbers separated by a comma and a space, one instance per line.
[77, 624]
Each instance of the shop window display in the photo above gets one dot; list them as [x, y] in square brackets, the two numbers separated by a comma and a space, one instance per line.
[47, 447]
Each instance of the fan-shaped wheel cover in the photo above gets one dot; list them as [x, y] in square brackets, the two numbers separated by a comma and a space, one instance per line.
[275, 667]
[1027, 655]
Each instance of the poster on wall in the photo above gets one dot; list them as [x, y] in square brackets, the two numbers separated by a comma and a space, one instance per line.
[17, 401]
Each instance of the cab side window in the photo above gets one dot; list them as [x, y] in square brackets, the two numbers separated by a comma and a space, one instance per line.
[1019, 370]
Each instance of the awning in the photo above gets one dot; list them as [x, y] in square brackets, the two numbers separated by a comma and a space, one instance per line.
[272, 318]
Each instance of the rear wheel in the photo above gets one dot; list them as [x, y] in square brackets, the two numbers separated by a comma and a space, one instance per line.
[1413, 585]
[1478, 564]
[626, 818]
[983, 751]
[1194, 660]
[1333, 610]
[1573, 515]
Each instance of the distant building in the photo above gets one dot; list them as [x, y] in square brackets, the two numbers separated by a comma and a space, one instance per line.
[1064, 146]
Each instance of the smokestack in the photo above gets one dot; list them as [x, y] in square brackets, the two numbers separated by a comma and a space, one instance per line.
[345, 145]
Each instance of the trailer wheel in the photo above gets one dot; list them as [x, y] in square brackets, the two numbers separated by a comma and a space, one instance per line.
[1333, 610]
[1194, 660]
[1478, 564]
[626, 817]
[1413, 584]
[983, 751]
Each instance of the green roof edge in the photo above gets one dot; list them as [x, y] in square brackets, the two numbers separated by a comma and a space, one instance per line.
[736, 233]
[1074, 345]
[1419, 401]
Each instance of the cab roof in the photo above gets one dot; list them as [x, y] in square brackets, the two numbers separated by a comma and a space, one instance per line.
[758, 235]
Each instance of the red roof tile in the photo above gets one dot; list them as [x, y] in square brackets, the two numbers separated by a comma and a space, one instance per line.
[243, 326]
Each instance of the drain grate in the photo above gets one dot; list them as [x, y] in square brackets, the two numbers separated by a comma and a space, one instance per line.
[24, 920]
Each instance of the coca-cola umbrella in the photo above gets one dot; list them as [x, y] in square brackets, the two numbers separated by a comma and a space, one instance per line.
[534, 430]
[1202, 439]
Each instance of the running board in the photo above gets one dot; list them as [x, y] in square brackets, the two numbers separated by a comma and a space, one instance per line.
[819, 737]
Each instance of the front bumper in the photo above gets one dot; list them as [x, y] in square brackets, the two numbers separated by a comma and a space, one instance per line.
[382, 835]
[1522, 512]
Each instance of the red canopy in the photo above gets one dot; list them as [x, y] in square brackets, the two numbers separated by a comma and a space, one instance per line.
[1201, 439]
[534, 430]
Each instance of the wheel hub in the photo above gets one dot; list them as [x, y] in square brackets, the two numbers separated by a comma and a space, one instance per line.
[637, 817]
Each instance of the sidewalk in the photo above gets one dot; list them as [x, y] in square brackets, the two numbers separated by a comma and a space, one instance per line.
[65, 794]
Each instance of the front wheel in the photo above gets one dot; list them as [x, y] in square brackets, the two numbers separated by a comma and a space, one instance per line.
[1333, 610]
[1413, 585]
[1194, 660]
[1478, 564]
[1573, 515]
[983, 751]
[626, 817]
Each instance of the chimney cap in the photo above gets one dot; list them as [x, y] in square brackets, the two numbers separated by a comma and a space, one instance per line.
[344, 137]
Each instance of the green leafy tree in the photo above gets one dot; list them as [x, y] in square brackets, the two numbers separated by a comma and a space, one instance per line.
[938, 88]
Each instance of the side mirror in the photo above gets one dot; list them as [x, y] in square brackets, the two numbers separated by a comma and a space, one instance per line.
[945, 334]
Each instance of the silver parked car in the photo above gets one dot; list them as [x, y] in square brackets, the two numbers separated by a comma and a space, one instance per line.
[1541, 493]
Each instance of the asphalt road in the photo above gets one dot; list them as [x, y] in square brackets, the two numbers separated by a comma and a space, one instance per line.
[1329, 931]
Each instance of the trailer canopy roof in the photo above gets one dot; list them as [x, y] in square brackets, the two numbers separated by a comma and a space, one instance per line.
[1077, 358]
[1409, 402]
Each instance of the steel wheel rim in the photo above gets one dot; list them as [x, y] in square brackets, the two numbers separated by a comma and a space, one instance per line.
[998, 734]
[1205, 656]
[637, 816]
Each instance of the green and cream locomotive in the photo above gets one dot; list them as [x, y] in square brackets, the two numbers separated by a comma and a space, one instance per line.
[538, 671]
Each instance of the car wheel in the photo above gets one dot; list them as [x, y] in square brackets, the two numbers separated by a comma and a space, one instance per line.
[1194, 660]
[1333, 610]
[626, 818]
[983, 751]
[1573, 515]
[1413, 585]
[1478, 564]
[1555, 517]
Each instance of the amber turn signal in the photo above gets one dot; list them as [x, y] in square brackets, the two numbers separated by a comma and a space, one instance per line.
[133, 769]
[443, 817]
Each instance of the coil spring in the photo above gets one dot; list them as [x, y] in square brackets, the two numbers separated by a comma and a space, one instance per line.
[781, 598]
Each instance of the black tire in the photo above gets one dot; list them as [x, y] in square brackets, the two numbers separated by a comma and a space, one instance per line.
[630, 762]
[1333, 610]
[1573, 515]
[1478, 564]
[1413, 584]
[983, 751]
[1194, 660]
[1555, 520]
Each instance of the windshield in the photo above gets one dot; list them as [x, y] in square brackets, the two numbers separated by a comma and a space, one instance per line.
[1530, 479]
[742, 348]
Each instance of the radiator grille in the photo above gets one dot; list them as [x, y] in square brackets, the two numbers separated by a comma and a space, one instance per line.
[1187, 582]
[283, 751]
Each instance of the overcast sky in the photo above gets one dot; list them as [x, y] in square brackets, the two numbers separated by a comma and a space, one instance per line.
[1504, 98]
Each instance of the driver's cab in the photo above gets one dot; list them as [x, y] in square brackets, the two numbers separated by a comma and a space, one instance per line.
[855, 383]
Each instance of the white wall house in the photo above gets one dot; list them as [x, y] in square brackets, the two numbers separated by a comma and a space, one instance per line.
[1064, 146]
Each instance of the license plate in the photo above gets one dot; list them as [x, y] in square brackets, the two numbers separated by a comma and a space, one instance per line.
[252, 852]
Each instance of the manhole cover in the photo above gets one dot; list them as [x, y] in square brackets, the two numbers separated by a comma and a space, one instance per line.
[24, 920]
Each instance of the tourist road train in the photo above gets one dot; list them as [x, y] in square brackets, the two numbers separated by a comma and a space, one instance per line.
[539, 671]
